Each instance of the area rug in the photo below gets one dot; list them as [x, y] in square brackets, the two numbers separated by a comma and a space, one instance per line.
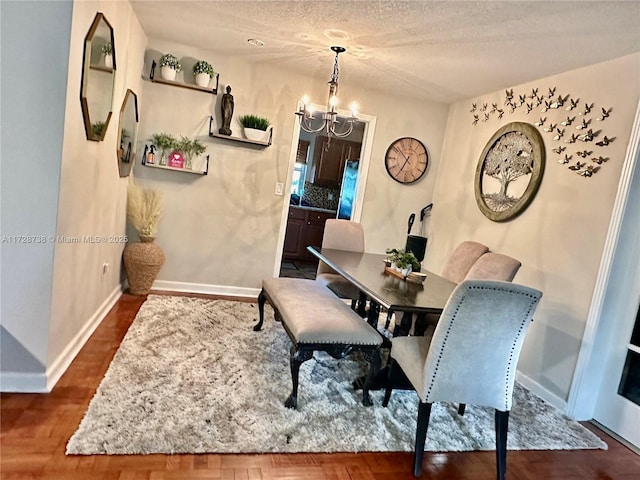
[191, 376]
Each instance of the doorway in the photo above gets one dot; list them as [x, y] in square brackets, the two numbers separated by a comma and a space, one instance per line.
[313, 191]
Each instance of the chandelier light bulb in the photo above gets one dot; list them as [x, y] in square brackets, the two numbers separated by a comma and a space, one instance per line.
[354, 110]
[305, 100]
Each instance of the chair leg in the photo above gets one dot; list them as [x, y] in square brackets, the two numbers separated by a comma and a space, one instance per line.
[502, 424]
[461, 408]
[261, 299]
[297, 357]
[374, 367]
[361, 305]
[389, 387]
[424, 412]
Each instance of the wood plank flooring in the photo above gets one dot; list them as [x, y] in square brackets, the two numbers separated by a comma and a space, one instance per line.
[35, 429]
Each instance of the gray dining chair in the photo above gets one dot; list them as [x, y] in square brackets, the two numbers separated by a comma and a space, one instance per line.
[462, 259]
[341, 235]
[494, 266]
[470, 356]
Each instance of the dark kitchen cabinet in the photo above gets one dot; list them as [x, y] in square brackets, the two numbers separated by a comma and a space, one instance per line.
[330, 162]
[304, 227]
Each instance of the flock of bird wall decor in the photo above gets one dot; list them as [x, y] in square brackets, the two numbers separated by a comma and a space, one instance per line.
[584, 143]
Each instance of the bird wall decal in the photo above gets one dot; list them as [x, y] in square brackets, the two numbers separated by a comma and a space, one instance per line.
[587, 137]
[568, 121]
[599, 160]
[584, 153]
[572, 104]
[605, 141]
[559, 135]
[475, 119]
[540, 122]
[577, 166]
[587, 109]
[559, 149]
[605, 114]
[552, 92]
[550, 128]
[572, 139]
[473, 107]
[585, 123]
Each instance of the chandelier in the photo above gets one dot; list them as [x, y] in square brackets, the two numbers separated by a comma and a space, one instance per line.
[330, 124]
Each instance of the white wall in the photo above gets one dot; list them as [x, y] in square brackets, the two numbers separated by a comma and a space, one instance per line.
[220, 231]
[35, 38]
[559, 239]
[92, 198]
[57, 183]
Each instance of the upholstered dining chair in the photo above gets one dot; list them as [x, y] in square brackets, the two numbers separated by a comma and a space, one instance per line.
[469, 357]
[462, 259]
[341, 235]
[494, 266]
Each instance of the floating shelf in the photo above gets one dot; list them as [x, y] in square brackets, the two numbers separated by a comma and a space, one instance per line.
[238, 139]
[190, 86]
[101, 68]
[174, 169]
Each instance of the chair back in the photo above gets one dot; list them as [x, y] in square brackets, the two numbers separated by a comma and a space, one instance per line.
[476, 344]
[341, 235]
[494, 266]
[461, 260]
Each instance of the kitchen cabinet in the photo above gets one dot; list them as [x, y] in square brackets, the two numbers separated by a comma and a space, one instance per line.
[304, 227]
[330, 162]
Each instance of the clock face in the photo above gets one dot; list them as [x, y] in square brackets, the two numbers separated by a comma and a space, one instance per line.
[406, 160]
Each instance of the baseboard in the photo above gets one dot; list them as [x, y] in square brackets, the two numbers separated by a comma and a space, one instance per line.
[23, 382]
[539, 390]
[60, 365]
[206, 289]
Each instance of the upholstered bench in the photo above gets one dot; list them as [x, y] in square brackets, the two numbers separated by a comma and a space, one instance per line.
[316, 320]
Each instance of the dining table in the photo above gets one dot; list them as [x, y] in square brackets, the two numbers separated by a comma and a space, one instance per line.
[383, 290]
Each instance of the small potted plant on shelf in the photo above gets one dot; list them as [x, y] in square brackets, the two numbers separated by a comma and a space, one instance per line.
[169, 66]
[203, 72]
[190, 149]
[164, 142]
[254, 127]
[107, 52]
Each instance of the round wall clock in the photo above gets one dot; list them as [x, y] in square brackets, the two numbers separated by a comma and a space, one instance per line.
[406, 160]
[509, 171]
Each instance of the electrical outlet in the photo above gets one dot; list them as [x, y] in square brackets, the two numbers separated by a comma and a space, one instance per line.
[105, 268]
[279, 188]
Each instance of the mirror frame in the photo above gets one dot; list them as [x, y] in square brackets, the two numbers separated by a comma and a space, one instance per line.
[126, 157]
[86, 66]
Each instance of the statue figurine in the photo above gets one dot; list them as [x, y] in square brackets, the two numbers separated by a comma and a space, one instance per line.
[227, 112]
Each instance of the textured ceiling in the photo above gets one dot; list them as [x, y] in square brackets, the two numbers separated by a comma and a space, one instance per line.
[443, 51]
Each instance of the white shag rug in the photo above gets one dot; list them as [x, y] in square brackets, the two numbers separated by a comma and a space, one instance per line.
[191, 376]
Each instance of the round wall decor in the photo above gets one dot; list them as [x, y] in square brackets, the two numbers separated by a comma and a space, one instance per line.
[406, 160]
[509, 171]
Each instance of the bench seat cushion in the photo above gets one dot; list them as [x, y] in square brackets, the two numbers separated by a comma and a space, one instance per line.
[313, 314]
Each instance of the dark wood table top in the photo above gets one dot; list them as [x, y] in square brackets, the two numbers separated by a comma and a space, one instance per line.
[366, 271]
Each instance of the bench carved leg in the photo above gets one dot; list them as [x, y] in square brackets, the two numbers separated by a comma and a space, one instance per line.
[297, 357]
[261, 300]
[374, 367]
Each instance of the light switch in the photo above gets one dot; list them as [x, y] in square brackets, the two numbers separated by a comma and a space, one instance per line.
[279, 188]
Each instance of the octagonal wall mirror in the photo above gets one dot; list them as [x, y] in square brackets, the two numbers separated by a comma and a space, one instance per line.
[127, 133]
[98, 78]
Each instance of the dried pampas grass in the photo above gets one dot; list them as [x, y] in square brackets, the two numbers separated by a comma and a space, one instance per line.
[144, 208]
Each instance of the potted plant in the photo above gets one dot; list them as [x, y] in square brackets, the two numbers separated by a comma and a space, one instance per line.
[107, 52]
[203, 72]
[402, 261]
[143, 260]
[164, 142]
[169, 66]
[254, 127]
[190, 149]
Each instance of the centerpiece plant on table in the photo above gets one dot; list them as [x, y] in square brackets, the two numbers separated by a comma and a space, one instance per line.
[402, 261]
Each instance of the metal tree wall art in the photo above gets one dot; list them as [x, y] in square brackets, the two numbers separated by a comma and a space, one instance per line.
[555, 107]
[509, 171]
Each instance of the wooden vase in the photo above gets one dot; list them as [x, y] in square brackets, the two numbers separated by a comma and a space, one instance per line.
[142, 262]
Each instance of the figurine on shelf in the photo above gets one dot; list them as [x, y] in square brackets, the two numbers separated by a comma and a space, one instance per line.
[227, 112]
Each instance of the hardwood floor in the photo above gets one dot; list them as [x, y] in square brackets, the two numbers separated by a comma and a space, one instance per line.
[35, 429]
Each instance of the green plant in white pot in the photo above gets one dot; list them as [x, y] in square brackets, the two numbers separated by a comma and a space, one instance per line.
[169, 66]
[107, 53]
[254, 127]
[203, 72]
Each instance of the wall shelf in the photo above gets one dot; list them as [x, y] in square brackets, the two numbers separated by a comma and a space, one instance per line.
[190, 86]
[239, 139]
[175, 169]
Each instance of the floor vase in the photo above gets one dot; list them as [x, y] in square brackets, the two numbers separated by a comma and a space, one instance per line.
[142, 262]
